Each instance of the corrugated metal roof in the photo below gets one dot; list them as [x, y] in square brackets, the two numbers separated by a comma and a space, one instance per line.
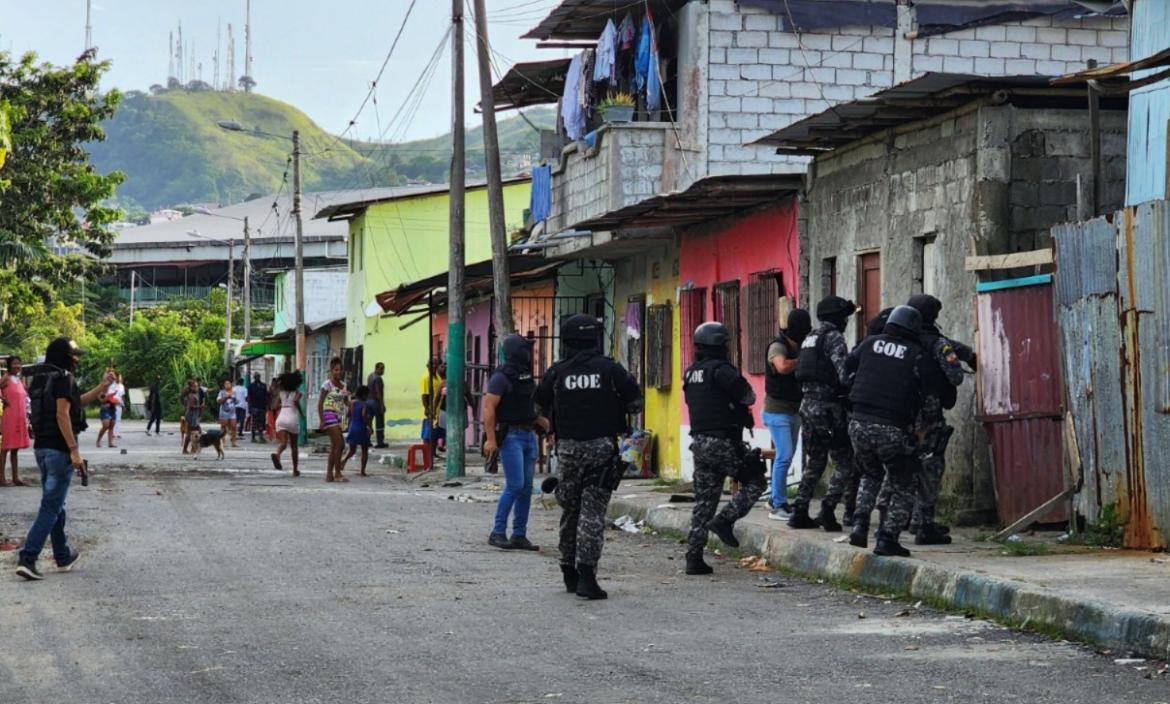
[1114, 71]
[921, 98]
[585, 19]
[1086, 260]
[477, 279]
[1019, 353]
[347, 208]
[531, 83]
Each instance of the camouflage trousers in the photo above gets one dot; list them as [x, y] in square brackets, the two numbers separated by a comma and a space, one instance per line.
[885, 453]
[932, 458]
[715, 459]
[583, 502]
[824, 433]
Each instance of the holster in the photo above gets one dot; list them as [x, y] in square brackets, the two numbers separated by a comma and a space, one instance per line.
[751, 467]
[610, 476]
[936, 442]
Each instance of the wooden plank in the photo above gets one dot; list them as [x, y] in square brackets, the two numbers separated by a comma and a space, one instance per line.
[1014, 260]
[1033, 515]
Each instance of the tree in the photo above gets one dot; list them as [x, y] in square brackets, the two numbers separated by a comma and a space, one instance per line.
[54, 225]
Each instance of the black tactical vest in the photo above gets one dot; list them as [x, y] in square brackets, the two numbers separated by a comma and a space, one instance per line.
[712, 409]
[946, 392]
[43, 407]
[885, 389]
[784, 387]
[586, 404]
[517, 407]
[814, 365]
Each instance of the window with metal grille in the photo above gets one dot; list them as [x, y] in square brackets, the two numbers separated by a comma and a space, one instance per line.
[763, 293]
[828, 277]
[692, 311]
[725, 306]
[659, 325]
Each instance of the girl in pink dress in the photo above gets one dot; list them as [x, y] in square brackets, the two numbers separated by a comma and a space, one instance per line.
[14, 426]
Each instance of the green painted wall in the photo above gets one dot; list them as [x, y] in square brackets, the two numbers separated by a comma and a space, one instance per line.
[399, 242]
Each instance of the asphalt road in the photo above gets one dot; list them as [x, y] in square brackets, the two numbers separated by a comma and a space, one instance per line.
[217, 588]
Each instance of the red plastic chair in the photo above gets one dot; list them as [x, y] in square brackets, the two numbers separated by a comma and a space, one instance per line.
[412, 462]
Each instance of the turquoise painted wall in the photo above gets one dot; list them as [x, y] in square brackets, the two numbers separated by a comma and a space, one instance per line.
[399, 242]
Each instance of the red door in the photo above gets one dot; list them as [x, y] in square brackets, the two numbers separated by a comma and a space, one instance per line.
[869, 286]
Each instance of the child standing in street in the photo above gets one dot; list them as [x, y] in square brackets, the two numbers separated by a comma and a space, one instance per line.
[360, 419]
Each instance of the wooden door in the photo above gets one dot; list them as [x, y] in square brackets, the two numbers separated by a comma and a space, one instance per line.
[869, 289]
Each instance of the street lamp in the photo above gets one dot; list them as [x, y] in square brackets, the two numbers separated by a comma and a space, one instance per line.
[235, 126]
[227, 336]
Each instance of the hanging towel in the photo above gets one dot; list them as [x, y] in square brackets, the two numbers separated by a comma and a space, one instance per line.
[541, 203]
[654, 79]
[604, 68]
[571, 113]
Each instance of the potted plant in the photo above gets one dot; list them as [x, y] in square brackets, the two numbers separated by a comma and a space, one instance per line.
[618, 107]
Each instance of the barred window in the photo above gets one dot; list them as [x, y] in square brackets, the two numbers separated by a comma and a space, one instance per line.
[659, 326]
[692, 304]
[763, 293]
[725, 302]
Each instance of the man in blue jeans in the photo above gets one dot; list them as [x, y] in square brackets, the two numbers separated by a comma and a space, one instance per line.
[57, 407]
[782, 396]
[510, 422]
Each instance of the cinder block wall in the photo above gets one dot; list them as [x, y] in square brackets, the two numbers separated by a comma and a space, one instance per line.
[761, 79]
[991, 180]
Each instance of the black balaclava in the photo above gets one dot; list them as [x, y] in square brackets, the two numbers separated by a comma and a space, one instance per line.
[60, 353]
[878, 325]
[799, 325]
[927, 305]
[517, 352]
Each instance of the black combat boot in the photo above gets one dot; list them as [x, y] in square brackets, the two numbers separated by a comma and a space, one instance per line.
[587, 586]
[696, 566]
[721, 528]
[928, 534]
[825, 519]
[849, 520]
[800, 520]
[859, 537]
[570, 574]
[888, 546]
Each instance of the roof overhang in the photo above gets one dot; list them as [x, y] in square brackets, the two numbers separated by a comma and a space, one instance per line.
[351, 209]
[931, 95]
[531, 83]
[1111, 79]
[430, 294]
[585, 19]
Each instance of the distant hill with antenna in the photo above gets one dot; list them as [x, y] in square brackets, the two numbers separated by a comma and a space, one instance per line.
[172, 152]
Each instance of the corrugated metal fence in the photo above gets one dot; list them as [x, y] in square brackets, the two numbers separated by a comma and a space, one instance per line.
[1113, 306]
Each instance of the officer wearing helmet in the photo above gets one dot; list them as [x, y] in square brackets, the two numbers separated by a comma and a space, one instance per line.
[932, 425]
[892, 375]
[587, 396]
[823, 414]
[719, 401]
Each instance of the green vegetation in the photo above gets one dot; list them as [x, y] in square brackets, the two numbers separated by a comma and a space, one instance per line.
[1024, 548]
[1107, 531]
[172, 151]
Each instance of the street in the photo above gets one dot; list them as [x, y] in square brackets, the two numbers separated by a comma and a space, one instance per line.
[217, 586]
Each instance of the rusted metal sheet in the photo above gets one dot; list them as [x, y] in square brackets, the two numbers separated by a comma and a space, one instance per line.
[1086, 260]
[1021, 397]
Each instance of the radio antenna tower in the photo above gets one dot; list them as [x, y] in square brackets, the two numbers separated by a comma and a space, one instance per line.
[247, 81]
[180, 68]
[88, 25]
[215, 64]
[171, 55]
[231, 59]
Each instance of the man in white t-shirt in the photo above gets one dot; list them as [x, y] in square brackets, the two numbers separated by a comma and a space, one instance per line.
[118, 390]
[240, 394]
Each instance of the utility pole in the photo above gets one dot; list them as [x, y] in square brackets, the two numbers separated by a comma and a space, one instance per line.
[456, 336]
[501, 276]
[247, 287]
[300, 251]
[88, 25]
[227, 335]
[132, 273]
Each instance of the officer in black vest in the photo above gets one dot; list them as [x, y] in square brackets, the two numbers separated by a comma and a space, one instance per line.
[892, 377]
[876, 326]
[719, 401]
[932, 425]
[510, 424]
[587, 395]
[823, 414]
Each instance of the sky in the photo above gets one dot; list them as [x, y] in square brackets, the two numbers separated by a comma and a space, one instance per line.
[319, 55]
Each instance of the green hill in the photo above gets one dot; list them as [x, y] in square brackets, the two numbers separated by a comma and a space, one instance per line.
[173, 153]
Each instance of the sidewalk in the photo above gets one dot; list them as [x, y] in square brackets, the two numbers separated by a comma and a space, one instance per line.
[1116, 599]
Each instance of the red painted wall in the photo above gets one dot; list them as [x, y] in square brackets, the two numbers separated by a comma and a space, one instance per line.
[766, 240]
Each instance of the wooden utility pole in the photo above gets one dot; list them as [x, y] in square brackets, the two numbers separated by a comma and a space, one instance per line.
[247, 286]
[501, 275]
[1095, 145]
[456, 336]
[302, 356]
[227, 335]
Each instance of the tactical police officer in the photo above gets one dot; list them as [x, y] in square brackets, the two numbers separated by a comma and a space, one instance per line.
[719, 400]
[823, 414]
[892, 377]
[587, 396]
[932, 425]
[876, 326]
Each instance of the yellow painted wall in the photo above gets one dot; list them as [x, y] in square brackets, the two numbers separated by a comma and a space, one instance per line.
[653, 274]
[399, 242]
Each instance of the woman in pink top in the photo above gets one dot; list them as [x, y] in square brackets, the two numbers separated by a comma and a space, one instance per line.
[15, 423]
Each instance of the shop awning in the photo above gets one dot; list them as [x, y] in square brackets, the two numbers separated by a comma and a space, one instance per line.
[531, 83]
[585, 19]
[477, 278]
[261, 348]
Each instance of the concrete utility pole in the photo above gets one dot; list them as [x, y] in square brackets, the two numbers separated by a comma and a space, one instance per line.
[501, 276]
[227, 335]
[247, 286]
[300, 251]
[456, 335]
[132, 273]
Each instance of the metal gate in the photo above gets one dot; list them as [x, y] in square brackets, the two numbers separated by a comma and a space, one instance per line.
[1021, 394]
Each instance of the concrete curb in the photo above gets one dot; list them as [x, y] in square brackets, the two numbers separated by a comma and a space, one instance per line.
[1015, 602]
